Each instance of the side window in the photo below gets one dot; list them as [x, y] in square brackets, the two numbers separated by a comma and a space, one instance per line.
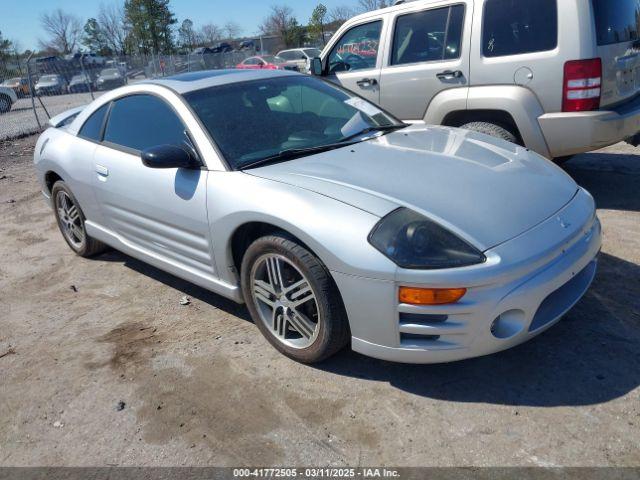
[512, 27]
[142, 121]
[92, 128]
[428, 36]
[357, 49]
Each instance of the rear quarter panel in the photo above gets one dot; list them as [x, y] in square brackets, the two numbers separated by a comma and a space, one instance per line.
[71, 158]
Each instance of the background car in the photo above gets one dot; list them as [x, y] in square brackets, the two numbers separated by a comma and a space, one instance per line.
[83, 82]
[20, 85]
[560, 77]
[110, 78]
[51, 84]
[300, 57]
[7, 98]
[266, 62]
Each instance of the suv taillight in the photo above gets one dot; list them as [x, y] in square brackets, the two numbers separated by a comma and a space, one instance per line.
[582, 84]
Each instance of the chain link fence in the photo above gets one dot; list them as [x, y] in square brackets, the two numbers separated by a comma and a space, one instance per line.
[47, 86]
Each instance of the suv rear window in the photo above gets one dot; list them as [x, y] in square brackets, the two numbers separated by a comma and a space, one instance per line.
[513, 27]
[616, 20]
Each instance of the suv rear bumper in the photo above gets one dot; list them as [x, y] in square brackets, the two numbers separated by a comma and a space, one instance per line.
[572, 133]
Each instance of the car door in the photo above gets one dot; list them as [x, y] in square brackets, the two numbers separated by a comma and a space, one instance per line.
[429, 54]
[355, 59]
[159, 212]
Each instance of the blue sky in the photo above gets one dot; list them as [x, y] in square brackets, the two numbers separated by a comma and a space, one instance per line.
[20, 20]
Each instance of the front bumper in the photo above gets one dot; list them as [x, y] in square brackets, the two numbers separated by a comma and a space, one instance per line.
[525, 286]
[573, 133]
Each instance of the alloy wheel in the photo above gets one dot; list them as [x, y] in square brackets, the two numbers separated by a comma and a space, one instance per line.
[70, 220]
[285, 301]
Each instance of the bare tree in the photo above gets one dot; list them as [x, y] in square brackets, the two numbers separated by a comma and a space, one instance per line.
[341, 14]
[368, 5]
[282, 22]
[112, 25]
[232, 30]
[211, 33]
[278, 21]
[64, 30]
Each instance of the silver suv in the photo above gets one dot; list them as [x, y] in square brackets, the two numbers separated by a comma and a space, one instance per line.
[558, 76]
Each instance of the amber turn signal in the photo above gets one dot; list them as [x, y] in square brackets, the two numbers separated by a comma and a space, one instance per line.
[430, 296]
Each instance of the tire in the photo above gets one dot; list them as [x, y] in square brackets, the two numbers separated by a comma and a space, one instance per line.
[491, 129]
[309, 332]
[562, 160]
[5, 104]
[71, 213]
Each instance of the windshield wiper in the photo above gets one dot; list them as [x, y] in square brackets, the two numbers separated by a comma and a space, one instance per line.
[291, 153]
[380, 128]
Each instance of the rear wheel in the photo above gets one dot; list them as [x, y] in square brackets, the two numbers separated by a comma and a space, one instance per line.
[492, 129]
[293, 300]
[71, 222]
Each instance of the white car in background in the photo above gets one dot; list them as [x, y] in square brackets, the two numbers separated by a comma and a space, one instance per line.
[300, 57]
[7, 98]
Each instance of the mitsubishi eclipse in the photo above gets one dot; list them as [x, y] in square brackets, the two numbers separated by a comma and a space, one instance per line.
[335, 222]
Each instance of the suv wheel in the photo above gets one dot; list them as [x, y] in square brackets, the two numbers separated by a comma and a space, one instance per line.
[293, 300]
[71, 222]
[491, 129]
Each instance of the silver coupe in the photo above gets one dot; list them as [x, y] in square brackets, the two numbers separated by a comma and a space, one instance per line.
[335, 222]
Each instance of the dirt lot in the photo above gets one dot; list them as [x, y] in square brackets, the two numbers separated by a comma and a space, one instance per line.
[201, 387]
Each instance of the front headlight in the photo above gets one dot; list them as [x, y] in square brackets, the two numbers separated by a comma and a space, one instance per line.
[413, 241]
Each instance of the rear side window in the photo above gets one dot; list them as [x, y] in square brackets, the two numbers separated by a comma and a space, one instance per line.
[92, 128]
[513, 27]
[143, 121]
[428, 36]
[617, 21]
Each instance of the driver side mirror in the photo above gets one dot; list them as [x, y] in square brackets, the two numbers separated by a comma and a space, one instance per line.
[316, 66]
[168, 156]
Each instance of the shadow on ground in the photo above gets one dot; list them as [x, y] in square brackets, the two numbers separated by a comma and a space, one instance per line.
[613, 180]
[591, 356]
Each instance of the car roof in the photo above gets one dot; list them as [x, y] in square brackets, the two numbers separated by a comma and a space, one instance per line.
[188, 82]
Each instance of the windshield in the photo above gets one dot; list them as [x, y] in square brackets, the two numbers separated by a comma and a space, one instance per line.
[79, 78]
[272, 59]
[258, 119]
[312, 52]
[109, 71]
[49, 78]
[616, 20]
[11, 81]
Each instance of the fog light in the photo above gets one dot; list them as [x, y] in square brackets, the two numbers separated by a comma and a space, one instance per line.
[430, 296]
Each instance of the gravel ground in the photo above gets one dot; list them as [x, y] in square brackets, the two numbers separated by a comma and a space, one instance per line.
[100, 364]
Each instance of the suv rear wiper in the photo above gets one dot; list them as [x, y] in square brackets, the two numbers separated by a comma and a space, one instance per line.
[291, 153]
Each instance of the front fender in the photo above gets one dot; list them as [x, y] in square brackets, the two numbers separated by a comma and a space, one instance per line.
[336, 232]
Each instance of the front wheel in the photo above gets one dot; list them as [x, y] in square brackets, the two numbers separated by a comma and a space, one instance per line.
[293, 300]
[71, 222]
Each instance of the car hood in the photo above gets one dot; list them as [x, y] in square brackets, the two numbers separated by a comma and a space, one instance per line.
[484, 189]
[112, 76]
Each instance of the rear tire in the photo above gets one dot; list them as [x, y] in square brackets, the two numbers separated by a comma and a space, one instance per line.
[491, 129]
[71, 221]
[298, 309]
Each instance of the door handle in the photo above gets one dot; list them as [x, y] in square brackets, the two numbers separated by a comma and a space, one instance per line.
[102, 170]
[367, 82]
[449, 74]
